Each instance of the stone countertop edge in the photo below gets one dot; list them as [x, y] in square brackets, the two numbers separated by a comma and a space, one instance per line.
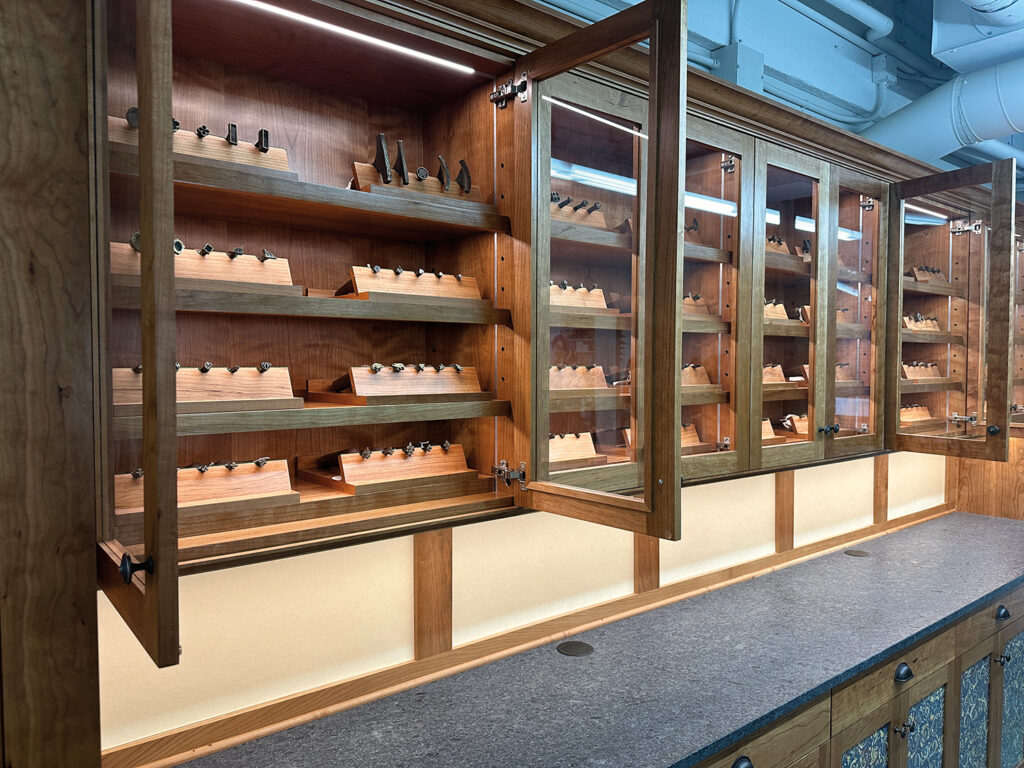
[726, 742]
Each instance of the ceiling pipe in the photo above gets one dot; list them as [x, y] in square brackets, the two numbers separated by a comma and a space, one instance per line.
[997, 13]
[878, 24]
[986, 104]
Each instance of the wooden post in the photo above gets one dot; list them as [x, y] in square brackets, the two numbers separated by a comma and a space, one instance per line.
[432, 592]
[646, 563]
[784, 502]
[49, 683]
[881, 492]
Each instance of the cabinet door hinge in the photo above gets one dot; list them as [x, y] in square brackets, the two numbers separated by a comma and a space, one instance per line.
[509, 90]
[504, 473]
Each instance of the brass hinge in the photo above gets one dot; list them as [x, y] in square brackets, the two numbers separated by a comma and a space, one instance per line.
[509, 90]
[507, 475]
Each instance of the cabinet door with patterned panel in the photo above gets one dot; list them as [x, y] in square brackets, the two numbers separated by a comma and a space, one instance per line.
[928, 728]
[1011, 659]
[974, 678]
[871, 742]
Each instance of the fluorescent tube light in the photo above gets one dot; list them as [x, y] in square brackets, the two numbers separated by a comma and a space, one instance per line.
[592, 177]
[772, 217]
[849, 234]
[284, 13]
[572, 108]
[804, 224]
[919, 209]
[711, 204]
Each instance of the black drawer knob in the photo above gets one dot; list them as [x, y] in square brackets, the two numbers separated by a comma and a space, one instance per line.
[1002, 613]
[129, 567]
[903, 672]
[742, 762]
[992, 429]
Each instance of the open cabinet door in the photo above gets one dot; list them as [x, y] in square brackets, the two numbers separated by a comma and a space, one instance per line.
[596, 251]
[950, 331]
[142, 582]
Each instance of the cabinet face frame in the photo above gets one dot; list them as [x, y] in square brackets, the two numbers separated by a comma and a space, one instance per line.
[908, 699]
[877, 190]
[656, 510]
[738, 459]
[988, 648]
[886, 716]
[812, 449]
[1004, 636]
[994, 413]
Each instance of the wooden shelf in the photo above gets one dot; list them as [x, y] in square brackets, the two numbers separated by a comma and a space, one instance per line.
[125, 295]
[783, 394]
[316, 415]
[792, 328]
[592, 236]
[910, 285]
[704, 394]
[930, 337]
[710, 324]
[580, 318]
[852, 389]
[586, 400]
[924, 425]
[696, 252]
[845, 275]
[853, 331]
[935, 384]
[791, 265]
[206, 188]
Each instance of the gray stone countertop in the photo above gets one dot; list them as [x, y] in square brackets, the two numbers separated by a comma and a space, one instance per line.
[677, 684]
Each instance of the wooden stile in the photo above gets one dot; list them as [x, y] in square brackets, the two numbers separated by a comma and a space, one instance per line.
[212, 147]
[217, 390]
[216, 265]
[364, 387]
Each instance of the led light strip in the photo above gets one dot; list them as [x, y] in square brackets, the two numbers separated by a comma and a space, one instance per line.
[577, 110]
[919, 209]
[355, 35]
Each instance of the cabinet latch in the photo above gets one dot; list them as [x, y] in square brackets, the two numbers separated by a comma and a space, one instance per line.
[504, 473]
[963, 226]
[508, 91]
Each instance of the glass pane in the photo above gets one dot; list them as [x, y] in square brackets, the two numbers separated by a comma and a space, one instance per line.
[790, 247]
[924, 743]
[595, 296]
[974, 714]
[872, 752]
[945, 267]
[857, 254]
[709, 278]
[1013, 703]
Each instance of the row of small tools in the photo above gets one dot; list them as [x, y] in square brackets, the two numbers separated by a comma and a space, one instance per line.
[208, 366]
[563, 202]
[565, 286]
[418, 367]
[383, 166]
[426, 446]
[203, 468]
[179, 247]
[262, 142]
[376, 269]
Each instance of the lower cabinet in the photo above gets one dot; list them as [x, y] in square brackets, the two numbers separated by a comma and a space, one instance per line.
[975, 700]
[1011, 731]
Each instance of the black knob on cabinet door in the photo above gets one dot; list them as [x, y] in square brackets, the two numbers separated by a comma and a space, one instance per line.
[992, 429]
[128, 567]
[826, 430]
[742, 762]
[1002, 613]
[1002, 659]
[903, 672]
[835, 429]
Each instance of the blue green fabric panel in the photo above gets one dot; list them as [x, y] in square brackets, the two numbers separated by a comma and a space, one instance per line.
[1013, 704]
[974, 714]
[924, 745]
[872, 752]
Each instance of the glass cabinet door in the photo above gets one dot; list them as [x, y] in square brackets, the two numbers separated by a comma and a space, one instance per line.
[1017, 359]
[715, 376]
[790, 265]
[950, 282]
[605, 265]
[856, 286]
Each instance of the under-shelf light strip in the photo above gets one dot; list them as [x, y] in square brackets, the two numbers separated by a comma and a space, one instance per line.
[352, 34]
[592, 116]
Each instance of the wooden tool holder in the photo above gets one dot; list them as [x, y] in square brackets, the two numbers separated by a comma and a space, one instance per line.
[689, 441]
[695, 374]
[844, 372]
[927, 274]
[916, 370]
[773, 374]
[216, 390]
[367, 179]
[921, 323]
[694, 305]
[215, 270]
[768, 436]
[588, 299]
[914, 412]
[211, 147]
[777, 245]
[219, 487]
[577, 377]
[391, 385]
[573, 451]
[393, 470]
[395, 284]
[574, 213]
[796, 424]
[775, 311]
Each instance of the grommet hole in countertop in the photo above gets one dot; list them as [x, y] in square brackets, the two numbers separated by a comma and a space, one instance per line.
[575, 648]
[856, 553]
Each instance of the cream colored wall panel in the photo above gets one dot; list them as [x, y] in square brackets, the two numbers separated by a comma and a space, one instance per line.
[833, 499]
[916, 481]
[507, 573]
[723, 524]
[258, 632]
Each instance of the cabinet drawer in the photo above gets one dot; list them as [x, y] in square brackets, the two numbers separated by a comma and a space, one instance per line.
[857, 698]
[984, 624]
[783, 743]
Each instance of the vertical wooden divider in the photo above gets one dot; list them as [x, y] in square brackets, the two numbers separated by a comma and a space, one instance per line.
[432, 592]
[881, 489]
[646, 563]
[784, 501]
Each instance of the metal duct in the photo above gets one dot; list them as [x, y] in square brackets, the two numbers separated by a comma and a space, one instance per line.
[986, 104]
[998, 13]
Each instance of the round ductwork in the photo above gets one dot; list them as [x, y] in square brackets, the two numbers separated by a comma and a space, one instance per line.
[997, 13]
